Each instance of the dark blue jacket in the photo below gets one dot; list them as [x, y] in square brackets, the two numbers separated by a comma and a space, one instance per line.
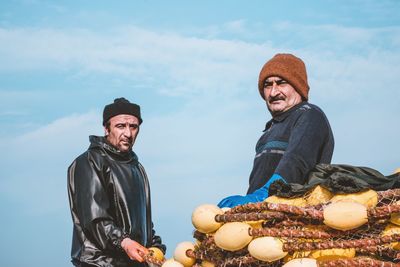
[292, 144]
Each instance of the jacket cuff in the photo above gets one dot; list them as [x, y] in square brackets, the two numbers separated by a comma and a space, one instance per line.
[117, 242]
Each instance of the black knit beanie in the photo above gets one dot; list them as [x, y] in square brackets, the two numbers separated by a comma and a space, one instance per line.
[121, 106]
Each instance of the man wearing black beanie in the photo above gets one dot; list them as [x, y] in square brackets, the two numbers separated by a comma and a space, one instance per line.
[109, 195]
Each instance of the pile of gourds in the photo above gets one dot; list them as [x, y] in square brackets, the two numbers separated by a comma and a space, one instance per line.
[318, 229]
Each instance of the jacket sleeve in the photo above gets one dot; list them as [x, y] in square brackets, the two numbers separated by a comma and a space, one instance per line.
[309, 135]
[156, 240]
[90, 203]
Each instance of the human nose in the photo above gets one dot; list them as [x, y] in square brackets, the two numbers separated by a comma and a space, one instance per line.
[274, 88]
[127, 131]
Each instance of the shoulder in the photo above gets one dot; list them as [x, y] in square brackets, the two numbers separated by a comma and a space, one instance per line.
[78, 162]
[311, 111]
[89, 158]
[310, 116]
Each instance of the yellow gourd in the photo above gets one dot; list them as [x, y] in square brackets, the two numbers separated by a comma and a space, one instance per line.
[302, 262]
[368, 198]
[207, 264]
[345, 215]
[319, 195]
[203, 218]
[332, 254]
[255, 224]
[233, 236]
[391, 229]
[267, 249]
[180, 253]
[298, 201]
[172, 263]
[395, 217]
[296, 255]
[157, 253]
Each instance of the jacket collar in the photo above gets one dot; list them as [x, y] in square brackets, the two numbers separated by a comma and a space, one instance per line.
[102, 143]
[282, 116]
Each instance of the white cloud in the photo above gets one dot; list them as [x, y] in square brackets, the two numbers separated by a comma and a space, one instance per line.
[184, 65]
[36, 162]
[236, 26]
[180, 65]
[204, 69]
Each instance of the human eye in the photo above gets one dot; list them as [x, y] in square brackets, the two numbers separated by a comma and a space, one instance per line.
[281, 82]
[134, 126]
[268, 84]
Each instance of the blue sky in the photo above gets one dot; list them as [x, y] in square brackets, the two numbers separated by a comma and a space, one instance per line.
[193, 67]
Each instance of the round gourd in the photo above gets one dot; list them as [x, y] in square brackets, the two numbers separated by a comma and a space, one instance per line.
[172, 263]
[233, 236]
[368, 198]
[395, 217]
[205, 263]
[391, 229]
[332, 254]
[298, 201]
[345, 215]
[296, 255]
[302, 262]
[180, 253]
[157, 253]
[267, 249]
[255, 224]
[203, 218]
[319, 195]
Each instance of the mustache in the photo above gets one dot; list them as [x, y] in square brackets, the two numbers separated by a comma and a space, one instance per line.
[128, 140]
[276, 98]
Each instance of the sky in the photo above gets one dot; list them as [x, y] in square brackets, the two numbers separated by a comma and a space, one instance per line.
[193, 67]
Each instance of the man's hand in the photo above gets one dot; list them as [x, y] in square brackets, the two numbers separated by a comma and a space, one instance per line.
[133, 249]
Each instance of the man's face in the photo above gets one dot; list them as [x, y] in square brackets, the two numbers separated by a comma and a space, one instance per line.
[122, 131]
[280, 96]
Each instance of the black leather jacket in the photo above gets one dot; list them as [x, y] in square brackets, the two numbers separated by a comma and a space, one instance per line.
[109, 197]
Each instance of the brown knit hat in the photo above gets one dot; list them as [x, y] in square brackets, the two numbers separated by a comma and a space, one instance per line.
[289, 68]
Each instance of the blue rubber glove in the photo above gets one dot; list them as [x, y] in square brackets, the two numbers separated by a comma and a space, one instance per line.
[257, 196]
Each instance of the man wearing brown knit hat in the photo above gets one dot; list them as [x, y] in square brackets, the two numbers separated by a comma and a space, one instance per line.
[296, 138]
[109, 195]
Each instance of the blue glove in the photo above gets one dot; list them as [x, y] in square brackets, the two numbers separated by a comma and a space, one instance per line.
[257, 196]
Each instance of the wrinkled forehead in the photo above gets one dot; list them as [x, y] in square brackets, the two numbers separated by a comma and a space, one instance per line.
[124, 118]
